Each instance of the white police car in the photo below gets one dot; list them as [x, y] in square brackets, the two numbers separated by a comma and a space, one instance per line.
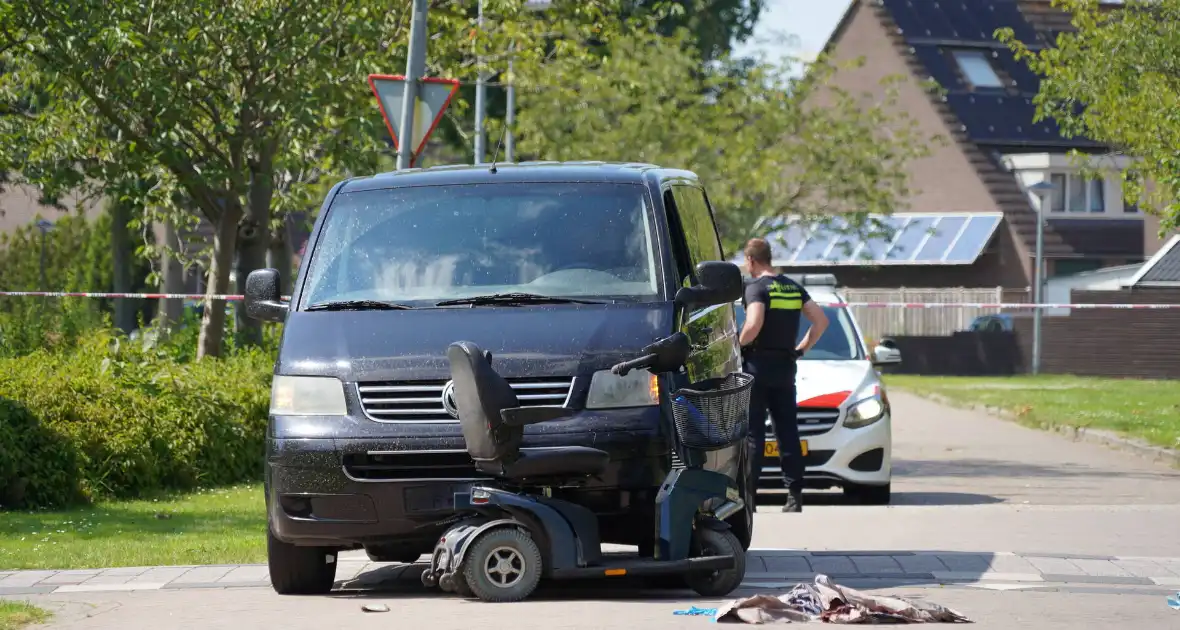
[844, 415]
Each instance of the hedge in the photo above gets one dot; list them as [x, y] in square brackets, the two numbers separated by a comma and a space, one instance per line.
[110, 419]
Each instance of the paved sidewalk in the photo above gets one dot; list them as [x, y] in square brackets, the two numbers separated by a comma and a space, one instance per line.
[765, 566]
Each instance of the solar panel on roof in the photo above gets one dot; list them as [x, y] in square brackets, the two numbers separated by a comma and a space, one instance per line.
[972, 239]
[940, 238]
[910, 239]
[819, 241]
[906, 243]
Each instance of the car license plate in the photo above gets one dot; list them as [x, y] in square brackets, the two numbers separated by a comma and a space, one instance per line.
[771, 448]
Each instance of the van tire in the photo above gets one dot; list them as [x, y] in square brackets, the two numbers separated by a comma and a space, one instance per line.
[299, 570]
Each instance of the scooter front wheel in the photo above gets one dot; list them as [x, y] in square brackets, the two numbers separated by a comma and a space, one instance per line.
[502, 565]
[712, 542]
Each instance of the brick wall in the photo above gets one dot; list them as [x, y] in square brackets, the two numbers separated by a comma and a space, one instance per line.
[1110, 342]
[1113, 343]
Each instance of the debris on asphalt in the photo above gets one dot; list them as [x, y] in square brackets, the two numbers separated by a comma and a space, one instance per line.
[828, 602]
[696, 612]
[375, 608]
[1174, 602]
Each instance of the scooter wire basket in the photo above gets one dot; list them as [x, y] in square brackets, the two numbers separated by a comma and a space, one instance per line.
[713, 414]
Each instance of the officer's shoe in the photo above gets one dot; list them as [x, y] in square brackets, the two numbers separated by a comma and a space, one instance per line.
[794, 502]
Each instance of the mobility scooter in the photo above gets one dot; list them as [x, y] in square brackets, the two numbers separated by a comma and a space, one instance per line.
[510, 532]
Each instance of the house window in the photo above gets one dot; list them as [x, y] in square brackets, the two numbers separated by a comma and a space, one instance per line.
[1076, 194]
[977, 69]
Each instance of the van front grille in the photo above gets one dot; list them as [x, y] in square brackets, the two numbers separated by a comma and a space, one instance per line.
[422, 401]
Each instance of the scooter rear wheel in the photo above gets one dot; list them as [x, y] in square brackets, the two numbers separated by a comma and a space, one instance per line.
[502, 565]
[712, 542]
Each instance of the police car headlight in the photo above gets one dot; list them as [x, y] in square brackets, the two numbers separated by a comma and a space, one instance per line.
[866, 411]
[639, 388]
[307, 396]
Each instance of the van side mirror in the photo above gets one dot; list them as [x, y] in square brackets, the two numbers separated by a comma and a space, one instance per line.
[262, 296]
[718, 283]
[886, 353]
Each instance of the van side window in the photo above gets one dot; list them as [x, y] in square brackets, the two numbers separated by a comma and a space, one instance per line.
[679, 230]
[698, 224]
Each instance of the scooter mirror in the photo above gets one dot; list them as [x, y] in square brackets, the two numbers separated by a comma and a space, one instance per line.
[671, 353]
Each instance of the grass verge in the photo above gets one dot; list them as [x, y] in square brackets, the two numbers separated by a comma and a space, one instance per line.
[1146, 410]
[220, 526]
[15, 614]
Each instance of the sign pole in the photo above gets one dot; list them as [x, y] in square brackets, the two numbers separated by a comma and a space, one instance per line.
[481, 102]
[415, 68]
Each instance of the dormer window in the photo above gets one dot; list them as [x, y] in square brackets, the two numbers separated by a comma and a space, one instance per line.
[977, 69]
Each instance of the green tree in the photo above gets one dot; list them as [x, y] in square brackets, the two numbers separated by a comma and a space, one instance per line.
[765, 143]
[1116, 80]
[228, 109]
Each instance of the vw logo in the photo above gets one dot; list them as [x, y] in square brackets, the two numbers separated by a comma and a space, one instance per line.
[448, 399]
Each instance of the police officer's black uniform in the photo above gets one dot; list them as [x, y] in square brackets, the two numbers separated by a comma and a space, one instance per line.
[771, 360]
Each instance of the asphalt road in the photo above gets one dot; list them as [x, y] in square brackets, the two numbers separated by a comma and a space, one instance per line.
[1013, 527]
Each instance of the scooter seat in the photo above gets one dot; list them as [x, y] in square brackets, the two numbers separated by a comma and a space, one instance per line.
[568, 461]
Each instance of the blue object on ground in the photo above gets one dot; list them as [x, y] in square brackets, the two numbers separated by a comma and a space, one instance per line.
[1174, 602]
[696, 612]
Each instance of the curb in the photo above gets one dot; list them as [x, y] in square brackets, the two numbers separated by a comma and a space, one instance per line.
[1156, 454]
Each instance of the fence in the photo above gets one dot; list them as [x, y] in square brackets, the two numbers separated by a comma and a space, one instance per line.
[876, 323]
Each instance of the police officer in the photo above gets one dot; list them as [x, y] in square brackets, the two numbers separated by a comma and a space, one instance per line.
[773, 304]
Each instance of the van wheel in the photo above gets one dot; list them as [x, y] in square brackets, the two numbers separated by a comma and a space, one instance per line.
[868, 495]
[299, 570]
[712, 542]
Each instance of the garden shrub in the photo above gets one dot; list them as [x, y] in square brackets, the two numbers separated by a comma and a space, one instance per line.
[114, 418]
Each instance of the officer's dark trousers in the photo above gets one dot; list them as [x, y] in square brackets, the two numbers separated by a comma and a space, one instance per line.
[774, 392]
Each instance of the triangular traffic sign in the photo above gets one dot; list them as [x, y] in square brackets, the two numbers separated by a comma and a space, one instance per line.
[434, 95]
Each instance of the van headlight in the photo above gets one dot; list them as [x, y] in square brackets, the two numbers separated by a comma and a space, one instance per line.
[639, 388]
[307, 396]
[866, 411]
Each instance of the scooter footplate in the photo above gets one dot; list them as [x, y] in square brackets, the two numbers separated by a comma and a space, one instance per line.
[631, 566]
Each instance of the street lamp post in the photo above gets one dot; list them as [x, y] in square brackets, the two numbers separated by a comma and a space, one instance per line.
[1042, 190]
[44, 225]
[510, 115]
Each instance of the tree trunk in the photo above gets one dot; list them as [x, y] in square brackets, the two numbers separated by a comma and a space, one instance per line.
[255, 238]
[171, 277]
[121, 254]
[280, 255]
[224, 241]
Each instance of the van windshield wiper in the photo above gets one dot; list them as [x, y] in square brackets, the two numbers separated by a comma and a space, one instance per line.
[357, 305]
[511, 299]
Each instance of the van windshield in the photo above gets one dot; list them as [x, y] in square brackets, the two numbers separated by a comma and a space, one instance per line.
[433, 243]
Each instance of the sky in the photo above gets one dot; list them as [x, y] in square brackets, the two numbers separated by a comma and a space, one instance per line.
[810, 21]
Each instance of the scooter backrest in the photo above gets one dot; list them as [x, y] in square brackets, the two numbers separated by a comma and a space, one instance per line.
[480, 395]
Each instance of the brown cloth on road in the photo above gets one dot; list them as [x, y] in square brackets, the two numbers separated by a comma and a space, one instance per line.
[831, 603]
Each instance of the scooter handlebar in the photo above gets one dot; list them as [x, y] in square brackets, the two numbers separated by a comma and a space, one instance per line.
[634, 364]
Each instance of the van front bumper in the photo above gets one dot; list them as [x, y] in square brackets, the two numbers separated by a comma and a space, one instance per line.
[347, 491]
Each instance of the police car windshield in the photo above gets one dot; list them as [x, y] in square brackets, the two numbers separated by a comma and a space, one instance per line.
[838, 342]
[421, 245]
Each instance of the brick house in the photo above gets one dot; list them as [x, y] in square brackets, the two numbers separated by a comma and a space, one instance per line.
[972, 219]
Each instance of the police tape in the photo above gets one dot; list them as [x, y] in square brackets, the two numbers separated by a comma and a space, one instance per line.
[237, 298]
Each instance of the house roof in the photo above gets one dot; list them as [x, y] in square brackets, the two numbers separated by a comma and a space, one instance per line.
[984, 123]
[1163, 269]
[1001, 116]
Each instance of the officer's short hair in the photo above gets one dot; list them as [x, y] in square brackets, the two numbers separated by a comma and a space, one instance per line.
[758, 250]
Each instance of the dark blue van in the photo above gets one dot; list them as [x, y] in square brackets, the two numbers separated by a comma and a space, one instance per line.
[559, 269]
